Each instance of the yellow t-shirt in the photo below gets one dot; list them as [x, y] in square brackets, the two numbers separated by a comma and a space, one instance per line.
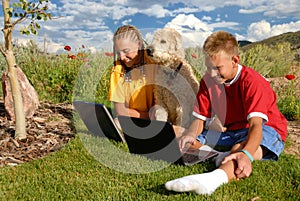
[134, 89]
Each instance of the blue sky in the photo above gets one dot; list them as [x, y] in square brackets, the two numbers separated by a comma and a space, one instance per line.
[92, 23]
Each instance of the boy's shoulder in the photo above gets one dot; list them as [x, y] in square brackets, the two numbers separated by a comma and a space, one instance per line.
[250, 73]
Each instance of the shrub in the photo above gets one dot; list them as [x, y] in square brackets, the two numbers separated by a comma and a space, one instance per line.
[288, 97]
[92, 81]
[52, 76]
[270, 61]
[195, 58]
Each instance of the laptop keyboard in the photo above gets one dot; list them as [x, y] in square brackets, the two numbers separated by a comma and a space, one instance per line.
[190, 158]
[193, 156]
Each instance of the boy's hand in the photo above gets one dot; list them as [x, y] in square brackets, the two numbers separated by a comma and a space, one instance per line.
[244, 167]
[186, 141]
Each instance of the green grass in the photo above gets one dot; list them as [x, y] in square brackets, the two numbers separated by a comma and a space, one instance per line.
[74, 174]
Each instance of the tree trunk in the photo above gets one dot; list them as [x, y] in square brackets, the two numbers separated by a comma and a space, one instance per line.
[20, 132]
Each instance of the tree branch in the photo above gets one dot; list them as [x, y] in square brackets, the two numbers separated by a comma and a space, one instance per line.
[2, 51]
[28, 13]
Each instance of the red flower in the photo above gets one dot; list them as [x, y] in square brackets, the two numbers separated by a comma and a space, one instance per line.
[109, 54]
[290, 76]
[79, 54]
[194, 55]
[82, 46]
[67, 47]
[72, 56]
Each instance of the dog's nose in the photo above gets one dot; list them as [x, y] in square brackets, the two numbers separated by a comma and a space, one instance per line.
[149, 51]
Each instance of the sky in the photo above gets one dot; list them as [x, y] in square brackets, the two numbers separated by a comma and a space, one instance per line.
[90, 24]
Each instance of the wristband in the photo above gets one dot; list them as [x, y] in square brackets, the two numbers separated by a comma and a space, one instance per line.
[247, 154]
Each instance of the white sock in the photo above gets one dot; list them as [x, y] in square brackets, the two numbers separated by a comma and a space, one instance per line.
[205, 183]
[221, 155]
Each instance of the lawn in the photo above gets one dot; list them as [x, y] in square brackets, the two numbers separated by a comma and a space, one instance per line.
[87, 169]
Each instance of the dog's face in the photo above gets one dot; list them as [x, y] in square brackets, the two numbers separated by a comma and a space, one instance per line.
[166, 46]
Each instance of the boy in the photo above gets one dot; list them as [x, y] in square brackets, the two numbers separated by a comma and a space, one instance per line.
[245, 104]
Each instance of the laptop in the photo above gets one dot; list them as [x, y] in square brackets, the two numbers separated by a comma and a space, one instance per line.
[98, 120]
[157, 140]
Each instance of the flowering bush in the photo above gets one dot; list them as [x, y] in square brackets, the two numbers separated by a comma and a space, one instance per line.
[72, 56]
[195, 58]
[109, 54]
[290, 76]
[194, 55]
[287, 90]
[270, 61]
[68, 48]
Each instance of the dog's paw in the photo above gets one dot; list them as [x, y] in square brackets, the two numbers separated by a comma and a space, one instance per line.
[159, 113]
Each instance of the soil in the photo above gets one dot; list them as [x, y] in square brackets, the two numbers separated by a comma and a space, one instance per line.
[293, 142]
[51, 128]
[47, 131]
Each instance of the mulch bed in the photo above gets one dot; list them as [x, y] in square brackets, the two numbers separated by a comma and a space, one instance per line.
[47, 131]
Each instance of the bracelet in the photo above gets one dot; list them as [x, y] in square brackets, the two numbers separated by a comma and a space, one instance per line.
[247, 154]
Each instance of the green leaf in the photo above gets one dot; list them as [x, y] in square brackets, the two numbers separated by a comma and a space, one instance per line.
[37, 26]
[39, 17]
[10, 11]
[35, 32]
[25, 31]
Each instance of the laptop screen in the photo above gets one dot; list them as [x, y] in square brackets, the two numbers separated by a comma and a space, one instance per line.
[153, 139]
[98, 120]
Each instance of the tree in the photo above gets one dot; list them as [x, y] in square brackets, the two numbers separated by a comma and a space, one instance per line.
[23, 10]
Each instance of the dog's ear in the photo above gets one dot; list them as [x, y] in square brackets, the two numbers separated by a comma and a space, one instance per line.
[179, 44]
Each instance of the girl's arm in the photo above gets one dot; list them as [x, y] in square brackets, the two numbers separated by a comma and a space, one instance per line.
[121, 109]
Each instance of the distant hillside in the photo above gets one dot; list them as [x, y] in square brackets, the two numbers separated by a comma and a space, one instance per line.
[243, 43]
[292, 37]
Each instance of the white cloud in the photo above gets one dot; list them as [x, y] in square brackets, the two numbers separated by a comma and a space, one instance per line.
[126, 21]
[274, 8]
[240, 37]
[224, 24]
[156, 11]
[192, 29]
[263, 29]
[188, 22]
[253, 10]
[258, 31]
[206, 18]
[122, 12]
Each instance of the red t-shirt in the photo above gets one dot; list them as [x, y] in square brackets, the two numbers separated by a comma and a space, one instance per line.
[248, 95]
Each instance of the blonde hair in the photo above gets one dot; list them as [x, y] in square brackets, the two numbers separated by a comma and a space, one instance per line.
[220, 41]
[129, 32]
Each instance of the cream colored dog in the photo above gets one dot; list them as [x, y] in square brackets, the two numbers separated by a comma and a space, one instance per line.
[176, 85]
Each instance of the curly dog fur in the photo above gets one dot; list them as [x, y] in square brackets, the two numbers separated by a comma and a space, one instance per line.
[176, 85]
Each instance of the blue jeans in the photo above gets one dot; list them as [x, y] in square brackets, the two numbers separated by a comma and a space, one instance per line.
[271, 143]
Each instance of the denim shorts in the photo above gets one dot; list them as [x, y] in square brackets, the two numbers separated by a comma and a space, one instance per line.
[271, 143]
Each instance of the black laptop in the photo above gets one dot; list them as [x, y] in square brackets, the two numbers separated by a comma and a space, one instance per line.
[156, 140]
[98, 120]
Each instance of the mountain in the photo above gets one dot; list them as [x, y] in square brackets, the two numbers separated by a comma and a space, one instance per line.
[243, 43]
[292, 37]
